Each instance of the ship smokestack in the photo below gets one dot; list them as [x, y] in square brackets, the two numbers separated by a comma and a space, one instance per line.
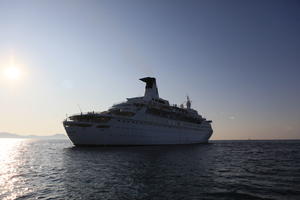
[151, 88]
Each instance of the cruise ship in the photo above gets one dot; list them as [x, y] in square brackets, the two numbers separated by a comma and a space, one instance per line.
[145, 120]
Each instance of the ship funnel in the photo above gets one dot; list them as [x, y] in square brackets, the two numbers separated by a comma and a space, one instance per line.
[151, 88]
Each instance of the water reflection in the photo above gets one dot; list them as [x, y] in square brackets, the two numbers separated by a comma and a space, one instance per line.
[136, 172]
[10, 162]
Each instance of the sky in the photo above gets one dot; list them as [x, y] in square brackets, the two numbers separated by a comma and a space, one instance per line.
[239, 61]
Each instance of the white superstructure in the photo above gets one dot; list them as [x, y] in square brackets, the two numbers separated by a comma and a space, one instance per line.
[147, 120]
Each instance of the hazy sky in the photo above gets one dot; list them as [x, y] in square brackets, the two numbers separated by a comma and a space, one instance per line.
[238, 60]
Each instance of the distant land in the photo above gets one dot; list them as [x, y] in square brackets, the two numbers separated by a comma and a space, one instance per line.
[12, 135]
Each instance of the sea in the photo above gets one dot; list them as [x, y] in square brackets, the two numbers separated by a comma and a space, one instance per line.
[55, 169]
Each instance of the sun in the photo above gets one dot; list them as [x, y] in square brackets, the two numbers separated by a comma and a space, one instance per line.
[12, 73]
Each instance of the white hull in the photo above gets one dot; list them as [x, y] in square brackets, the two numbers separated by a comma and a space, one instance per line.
[137, 135]
[147, 120]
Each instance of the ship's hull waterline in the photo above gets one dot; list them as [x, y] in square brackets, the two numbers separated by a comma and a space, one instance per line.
[119, 136]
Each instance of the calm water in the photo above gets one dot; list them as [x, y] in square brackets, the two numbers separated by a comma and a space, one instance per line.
[54, 169]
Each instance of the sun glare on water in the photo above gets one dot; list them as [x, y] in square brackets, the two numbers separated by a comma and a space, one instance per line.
[12, 73]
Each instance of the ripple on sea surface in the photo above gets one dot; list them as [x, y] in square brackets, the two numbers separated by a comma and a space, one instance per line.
[45, 169]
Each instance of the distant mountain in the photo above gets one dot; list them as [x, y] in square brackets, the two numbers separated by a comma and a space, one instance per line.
[58, 135]
[12, 135]
[9, 135]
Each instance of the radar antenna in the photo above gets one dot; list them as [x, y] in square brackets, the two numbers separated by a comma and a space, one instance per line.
[188, 102]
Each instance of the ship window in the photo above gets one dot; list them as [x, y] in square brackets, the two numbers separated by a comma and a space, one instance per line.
[81, 125]
[123, 113]
[90, 117]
